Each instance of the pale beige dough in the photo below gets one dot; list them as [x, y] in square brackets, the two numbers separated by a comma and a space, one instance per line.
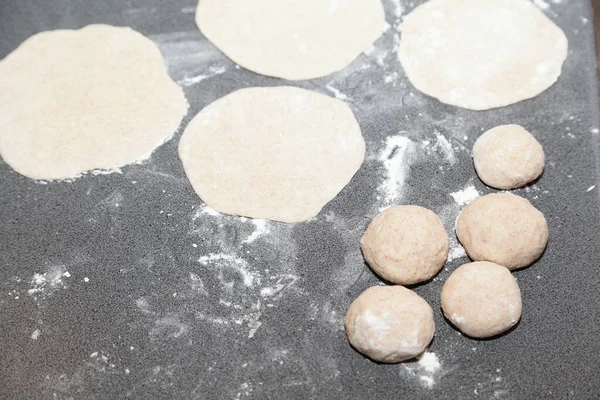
[482, 299]
[291, 39]
[389, 324]
[502, 228]
[508, 157]
[481, 54]
[405, 244]
[278, 153]
[77, 100]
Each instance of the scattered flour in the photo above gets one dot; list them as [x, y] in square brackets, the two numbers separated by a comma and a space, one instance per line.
[465, 196]
[396, 158]
[336, 92]
[45, 284]
[261, 227]
[590, 188]
[233, 262]
[212, 72]
[426, 369]
[35, 335]
[541, 4]
[456, 251]
[429, 362]
[398, 8]
[446, 147]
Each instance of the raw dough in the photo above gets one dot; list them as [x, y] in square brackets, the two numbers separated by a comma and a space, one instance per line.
[389, 324]
[508, 157]
[291, 39]
[482, 299]
[277, 153]
[74, 101]
[481, 54]
[405, 244]
[502, 228]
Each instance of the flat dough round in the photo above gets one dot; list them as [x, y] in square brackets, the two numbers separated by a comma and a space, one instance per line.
[278, 153]
[77, 100]
[481, 54]
[291, 39]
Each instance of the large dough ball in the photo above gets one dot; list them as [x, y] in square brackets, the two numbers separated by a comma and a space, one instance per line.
[482, 299]
[508, 157]
[389, 324]
[503, 228]
[405, 244]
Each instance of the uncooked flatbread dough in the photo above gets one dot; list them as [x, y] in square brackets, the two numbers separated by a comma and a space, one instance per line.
[481, 54]
[277, 153]
[74, 101]
[291, 39]
[482, 299]
[389, 324]
[502, 228]
[508, 157]
[405, 244]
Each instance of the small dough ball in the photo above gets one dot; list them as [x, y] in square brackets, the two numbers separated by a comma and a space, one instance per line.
[405, 244]
[508, 157]
[503, 228]
[389, 324]
[482, 299]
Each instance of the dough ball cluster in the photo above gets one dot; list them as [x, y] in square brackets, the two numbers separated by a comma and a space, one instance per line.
[405, 244]
[482, 299]
[503, 228]
[508, 157]
[390, 324]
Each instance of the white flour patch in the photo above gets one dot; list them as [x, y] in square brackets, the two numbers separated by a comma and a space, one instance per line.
[456, 251]
[591, 188]
[396, 158]
[336, 92]
[35, 335]
[429, 362]
[465, 196]
[541, 4]
[42, 285]
[212, 72]
[425, 369]
[226, 261]
[261, 227]
[446, 148]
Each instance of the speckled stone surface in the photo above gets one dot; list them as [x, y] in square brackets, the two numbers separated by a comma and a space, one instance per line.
[125, 286]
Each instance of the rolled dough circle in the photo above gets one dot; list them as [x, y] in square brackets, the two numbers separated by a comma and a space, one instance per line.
[482, 299]
[389, 324]
[75, 101]
[481, 54]
[508, 157]
[291, 39]
[278, 153]
[502, 228]
[405, 244]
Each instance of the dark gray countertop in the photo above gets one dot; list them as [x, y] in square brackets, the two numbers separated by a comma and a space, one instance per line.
[125, 286]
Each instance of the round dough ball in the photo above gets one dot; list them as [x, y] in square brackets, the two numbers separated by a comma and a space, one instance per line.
[389, 324]
[278, 153]
[482, 299]
[405, 244]
[508, 157]
[291, 39]
[481, 54]
[502, 228]
[77, 100]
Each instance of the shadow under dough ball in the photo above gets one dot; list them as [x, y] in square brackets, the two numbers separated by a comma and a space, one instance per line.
[502, 228]
[389, 324]
[405, 244]
[482, 299]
